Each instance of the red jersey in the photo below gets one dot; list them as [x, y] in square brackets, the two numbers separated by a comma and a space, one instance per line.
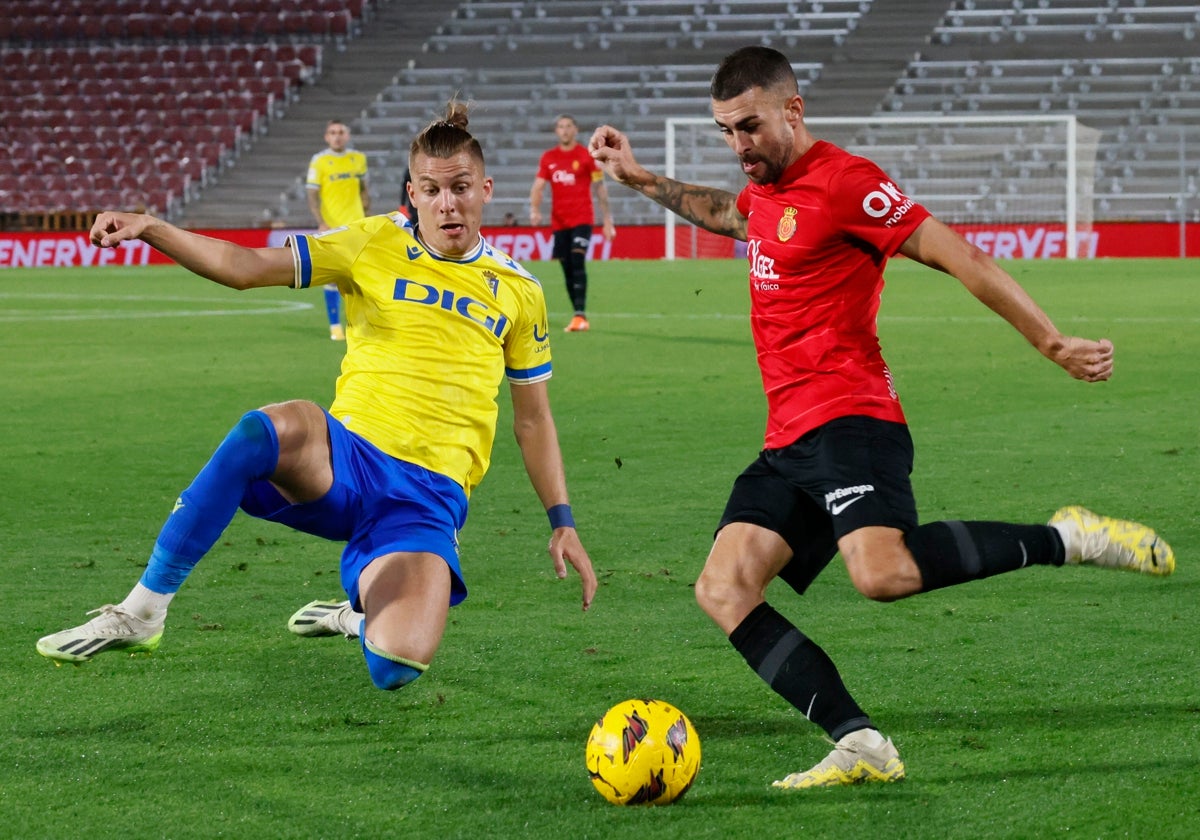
[570, 173]
[818, 241]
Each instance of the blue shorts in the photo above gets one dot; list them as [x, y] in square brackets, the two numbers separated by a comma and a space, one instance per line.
[377, 505]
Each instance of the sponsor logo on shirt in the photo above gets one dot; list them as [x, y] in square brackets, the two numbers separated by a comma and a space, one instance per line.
[887, 202]
[410, 291]
[762, 268]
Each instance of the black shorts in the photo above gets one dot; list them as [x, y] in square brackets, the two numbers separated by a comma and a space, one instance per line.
[850, 473]
[564, 240]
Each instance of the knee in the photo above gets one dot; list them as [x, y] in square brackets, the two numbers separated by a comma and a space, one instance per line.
[871, 585]
[707, 592]
[293, 420]
[718, 597]
[882, 582]
[389, 672]
[880, 565]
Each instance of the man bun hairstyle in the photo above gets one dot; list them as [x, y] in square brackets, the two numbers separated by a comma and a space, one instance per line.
[447, 137]
[751, 67]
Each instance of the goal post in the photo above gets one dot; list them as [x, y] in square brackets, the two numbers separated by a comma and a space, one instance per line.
[1009, 172]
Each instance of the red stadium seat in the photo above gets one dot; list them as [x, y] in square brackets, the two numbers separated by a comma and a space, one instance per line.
[309, 54]
[202, 25]
[179, 25]
[267, 24]
[25, 29]
[112, 26]
[338, 24]
[239, 52]
[151, 27]
[170, 53]
[102, 181]
[88, 28]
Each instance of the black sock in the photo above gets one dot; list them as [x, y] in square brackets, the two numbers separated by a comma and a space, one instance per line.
[798, 670]
[955, 552]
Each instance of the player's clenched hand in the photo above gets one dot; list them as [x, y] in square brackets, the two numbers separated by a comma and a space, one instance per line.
[612, 151]
[566, 547]
[1091, 361]
[110, 228]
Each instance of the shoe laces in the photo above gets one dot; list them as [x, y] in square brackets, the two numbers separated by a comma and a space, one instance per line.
[113, 618]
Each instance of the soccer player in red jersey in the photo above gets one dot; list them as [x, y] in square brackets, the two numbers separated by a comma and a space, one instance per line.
[820, 224]
[573, 177]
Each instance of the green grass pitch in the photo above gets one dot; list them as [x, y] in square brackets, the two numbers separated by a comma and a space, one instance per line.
[1042, 703]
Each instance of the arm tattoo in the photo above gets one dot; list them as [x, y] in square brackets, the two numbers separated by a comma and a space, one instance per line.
[707, 207]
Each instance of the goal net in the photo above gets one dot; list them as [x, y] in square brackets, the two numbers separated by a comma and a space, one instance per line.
[1026, 181]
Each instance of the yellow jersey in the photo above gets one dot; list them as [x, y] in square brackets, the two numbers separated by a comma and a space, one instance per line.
[340, 178]
[428, 340]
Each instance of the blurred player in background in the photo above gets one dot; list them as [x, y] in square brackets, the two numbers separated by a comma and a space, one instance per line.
[337, 195]
[573, 178]
[834, 473]
[389, 468]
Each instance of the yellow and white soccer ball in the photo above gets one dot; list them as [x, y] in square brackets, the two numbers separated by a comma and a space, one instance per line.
[643, 752]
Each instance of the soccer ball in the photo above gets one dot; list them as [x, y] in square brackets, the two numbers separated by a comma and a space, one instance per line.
[643, 752]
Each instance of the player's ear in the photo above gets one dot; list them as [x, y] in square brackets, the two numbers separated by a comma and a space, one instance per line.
[794, 109]
[487, 190]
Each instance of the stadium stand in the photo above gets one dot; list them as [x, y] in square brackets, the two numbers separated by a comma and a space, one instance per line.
[229, 100]
[633, 64]
[1128, 68]
[141, 105]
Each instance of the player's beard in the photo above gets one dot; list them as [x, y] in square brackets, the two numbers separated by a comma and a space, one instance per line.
[774, 163]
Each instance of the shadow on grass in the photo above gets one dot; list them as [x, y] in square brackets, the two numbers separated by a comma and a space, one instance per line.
[1086, 718]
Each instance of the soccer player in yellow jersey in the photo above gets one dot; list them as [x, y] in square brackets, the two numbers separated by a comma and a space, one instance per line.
[436, 318]
[337, 195]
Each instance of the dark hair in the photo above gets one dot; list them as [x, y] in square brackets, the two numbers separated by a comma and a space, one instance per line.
[448, 136]
[752, 67]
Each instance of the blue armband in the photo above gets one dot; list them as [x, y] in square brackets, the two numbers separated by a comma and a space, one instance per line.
[560, 517]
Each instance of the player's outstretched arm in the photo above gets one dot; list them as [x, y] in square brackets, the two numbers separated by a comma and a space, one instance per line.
[538, 438]
[940, 247]
[707, 207]
[216, 259]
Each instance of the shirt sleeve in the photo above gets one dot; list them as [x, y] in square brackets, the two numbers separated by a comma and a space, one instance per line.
[320, 259]
[527, 345]
[868, 205]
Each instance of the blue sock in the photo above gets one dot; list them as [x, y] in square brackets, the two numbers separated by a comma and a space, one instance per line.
[388, 672]
[333, 305]
[249, 452]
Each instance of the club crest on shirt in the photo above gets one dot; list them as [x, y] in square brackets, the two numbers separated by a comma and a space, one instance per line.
[493, 282]
[787, 225]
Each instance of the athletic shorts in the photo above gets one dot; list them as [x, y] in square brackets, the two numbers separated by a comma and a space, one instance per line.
[377, 505]
[568, 238]
[850, 473]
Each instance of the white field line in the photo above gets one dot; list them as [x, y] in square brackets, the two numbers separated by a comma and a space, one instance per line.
[258, 307]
